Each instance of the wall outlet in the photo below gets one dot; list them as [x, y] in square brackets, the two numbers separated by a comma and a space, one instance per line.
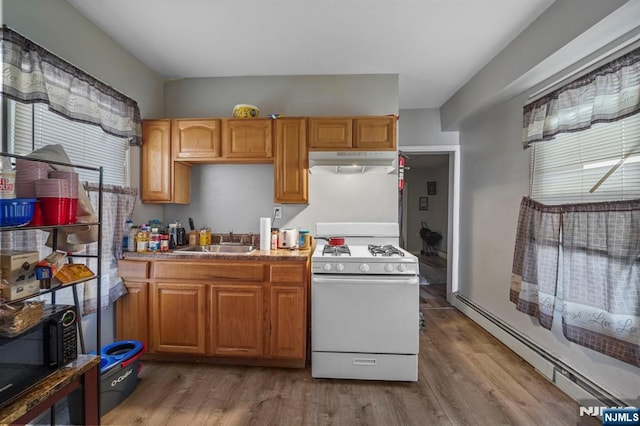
[277, 212]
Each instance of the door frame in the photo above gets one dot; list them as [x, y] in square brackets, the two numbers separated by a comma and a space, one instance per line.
[453, 217]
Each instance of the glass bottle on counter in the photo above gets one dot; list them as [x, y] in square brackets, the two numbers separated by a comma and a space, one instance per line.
[274, 240]
[128, 224]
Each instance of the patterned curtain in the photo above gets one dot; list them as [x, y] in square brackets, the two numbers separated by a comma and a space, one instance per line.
[117, 206]
[601, 277]
[609, 93]
[600, 272]
[535, 261]
[31, 74]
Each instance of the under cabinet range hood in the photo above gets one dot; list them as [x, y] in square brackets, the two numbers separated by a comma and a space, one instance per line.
[352, 162]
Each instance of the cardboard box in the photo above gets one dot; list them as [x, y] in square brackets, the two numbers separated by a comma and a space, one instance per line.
[18, 291]
[51, 265]
[73, 272]
[18, 267]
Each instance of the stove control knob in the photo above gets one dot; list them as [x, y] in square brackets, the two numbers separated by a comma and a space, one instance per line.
[364, 267]
[326, 266]
[388, 267]
[339, 267]
[401, 268]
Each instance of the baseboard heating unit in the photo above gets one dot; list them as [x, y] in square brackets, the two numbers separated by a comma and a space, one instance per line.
[562, 375]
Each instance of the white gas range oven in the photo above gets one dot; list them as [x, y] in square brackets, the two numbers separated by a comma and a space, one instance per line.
[364, 304]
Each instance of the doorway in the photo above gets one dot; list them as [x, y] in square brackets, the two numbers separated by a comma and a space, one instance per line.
[430, 199]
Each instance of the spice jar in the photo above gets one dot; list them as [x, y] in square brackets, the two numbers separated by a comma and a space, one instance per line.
[164, 242]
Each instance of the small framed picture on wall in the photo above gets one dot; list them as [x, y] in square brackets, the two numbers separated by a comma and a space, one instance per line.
[424, 203]
[431, 188]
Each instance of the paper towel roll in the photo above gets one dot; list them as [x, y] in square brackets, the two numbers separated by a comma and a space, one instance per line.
[265, 233]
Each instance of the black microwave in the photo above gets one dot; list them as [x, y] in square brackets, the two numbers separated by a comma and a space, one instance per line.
[34, 354]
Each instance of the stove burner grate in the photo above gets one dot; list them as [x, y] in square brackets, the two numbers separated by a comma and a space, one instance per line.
[336, 250]
[386, 250]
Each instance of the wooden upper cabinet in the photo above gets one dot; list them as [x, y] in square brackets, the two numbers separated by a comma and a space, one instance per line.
[291, 161]
[162, 180]
[237, 323]
[196, 139]
[330, 133]
[156, 161]
[178, 318]
[375, 133]
[247, 139]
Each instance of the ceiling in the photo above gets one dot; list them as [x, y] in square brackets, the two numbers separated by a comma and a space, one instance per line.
[434, 46]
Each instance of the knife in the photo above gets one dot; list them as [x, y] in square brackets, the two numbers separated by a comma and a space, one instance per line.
[191, 225]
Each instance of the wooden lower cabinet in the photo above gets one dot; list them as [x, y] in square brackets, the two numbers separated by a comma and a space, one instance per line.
[178, 321]
[243, 310]
[236, 319]
[287, 332]
[132, 313]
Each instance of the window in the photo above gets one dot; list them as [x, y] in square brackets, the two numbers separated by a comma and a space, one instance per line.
[34, 126]
[569, 168]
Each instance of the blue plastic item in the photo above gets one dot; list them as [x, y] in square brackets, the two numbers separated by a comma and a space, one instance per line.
[16, 211]
[119, 368]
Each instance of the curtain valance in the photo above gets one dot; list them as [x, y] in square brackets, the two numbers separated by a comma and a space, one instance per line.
[31, 74]
[609, 93]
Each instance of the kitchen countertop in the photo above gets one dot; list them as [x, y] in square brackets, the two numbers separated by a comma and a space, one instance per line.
[256, 255]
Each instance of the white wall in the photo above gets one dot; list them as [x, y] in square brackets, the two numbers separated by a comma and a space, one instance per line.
[421, 126]
[56, 26]
[436, 217]
[234, 197]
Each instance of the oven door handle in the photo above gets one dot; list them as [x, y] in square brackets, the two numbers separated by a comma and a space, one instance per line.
[365, 280]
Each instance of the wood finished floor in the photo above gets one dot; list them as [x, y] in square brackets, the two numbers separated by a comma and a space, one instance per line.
[466, 377]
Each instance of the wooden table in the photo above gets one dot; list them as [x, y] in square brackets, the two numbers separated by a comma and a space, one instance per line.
[43, 395]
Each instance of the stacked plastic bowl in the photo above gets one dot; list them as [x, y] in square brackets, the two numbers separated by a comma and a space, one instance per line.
[27, 172]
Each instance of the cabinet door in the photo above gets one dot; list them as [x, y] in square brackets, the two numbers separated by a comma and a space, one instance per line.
[156, 161]
[248, 138]
[178, 317]
[132, 314]
[330, 133]
[196, 140]
[162, 180]
[291, 161]
[237, 320]
[375, 133]
[288, 318]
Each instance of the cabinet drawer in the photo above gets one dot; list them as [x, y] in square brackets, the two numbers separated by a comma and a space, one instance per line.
[128, 269]
[287, 273]
[204, 271]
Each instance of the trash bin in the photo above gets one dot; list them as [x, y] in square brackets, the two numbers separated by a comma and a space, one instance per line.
[119, 368]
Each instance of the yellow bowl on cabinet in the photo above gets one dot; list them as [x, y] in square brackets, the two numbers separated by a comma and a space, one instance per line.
[245, 111]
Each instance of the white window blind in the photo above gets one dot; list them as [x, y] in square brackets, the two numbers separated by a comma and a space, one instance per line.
[34, 126]
[567, 168]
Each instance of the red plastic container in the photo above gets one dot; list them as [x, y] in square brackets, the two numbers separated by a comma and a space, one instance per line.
[55, 211]
[36, 220]
[72, 210]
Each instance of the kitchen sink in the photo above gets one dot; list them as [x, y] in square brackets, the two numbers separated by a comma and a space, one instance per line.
[217, 248]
